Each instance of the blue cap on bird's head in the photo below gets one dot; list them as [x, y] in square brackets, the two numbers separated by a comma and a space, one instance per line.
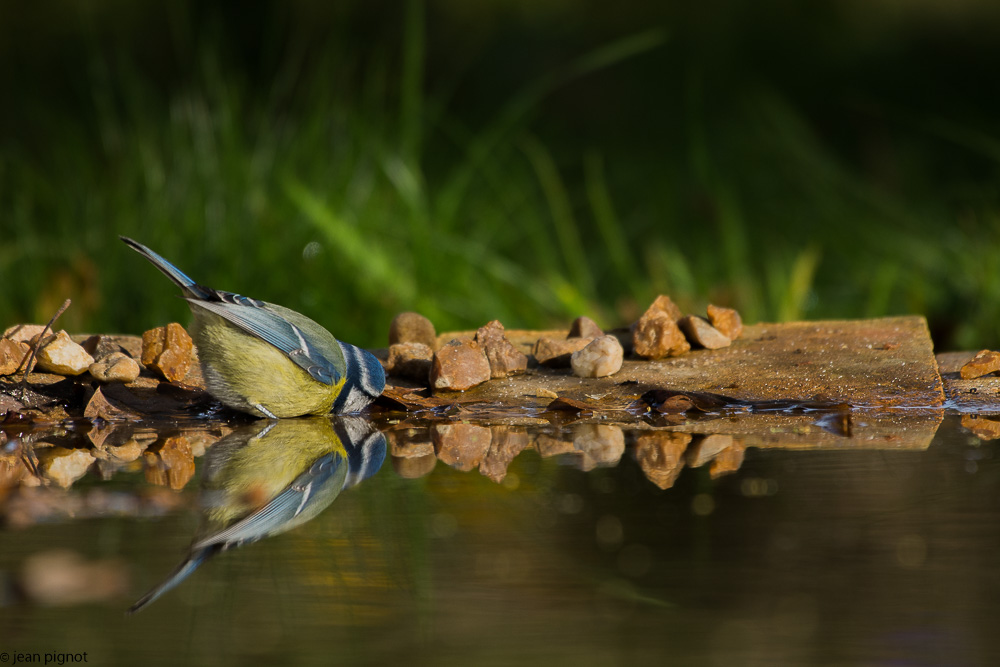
[268, 360]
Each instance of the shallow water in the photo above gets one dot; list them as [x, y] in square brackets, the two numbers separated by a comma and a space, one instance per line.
[838, 555]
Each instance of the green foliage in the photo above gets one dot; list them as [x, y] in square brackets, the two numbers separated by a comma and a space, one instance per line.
[344, 189]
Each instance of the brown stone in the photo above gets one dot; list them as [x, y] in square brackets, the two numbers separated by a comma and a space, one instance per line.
[656, 334]
[505, 444]
[553, 445]
[100, 407]
[707, 448]
[557, 353]
[412, 328]
[411, 361]
[982, 427]
[504, 358]
[985, 362]
[176, 454]
[700, 332]
[101, 345]
[584, 327]
[461, 446]
[661, 456]
[409, 443]
[115, 367]
[12, 355]
[59, 354]
[459, 365]
[167, 350]
[601, 357]
[727, 461]
[726, 320]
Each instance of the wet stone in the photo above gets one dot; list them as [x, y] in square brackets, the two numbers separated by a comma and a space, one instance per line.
[176, 454]
[12, 355]
[601, 357]
[505, 444]
[461, 446]
[982, 427]
[700, 332]
[601, 444]
[584, 327]
[661, 456]
[101, 345]
[100, 407]
[727, 461]
[115, 367]
[504, 358]
[984, 363]
[64, 466]
[656, 334]
[59, 354]
[411, 361]
[556, 353]
[726, 320]
[412, 328]
[167, 350]
[707, 448]
[459, 365]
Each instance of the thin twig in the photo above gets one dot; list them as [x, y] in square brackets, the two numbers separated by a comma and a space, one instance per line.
[38, 344]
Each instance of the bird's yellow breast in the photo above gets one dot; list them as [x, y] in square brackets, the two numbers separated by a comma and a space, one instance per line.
[245, 372]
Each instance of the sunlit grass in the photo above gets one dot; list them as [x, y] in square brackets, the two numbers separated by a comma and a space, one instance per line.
[353, 197]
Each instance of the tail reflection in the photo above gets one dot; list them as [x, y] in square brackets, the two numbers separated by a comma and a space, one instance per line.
[270, 477]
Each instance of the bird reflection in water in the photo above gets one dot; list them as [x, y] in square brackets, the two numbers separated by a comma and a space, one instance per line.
[272, 476]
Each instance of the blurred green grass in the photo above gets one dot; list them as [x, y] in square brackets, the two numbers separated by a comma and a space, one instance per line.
[349, 188]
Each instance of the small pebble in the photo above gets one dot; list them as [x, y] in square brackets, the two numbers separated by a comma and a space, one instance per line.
[58, 354]
[410, 360]
[584, 327]
[412, 328]
[700, 332]
[985, 362]
[504, 358]
[557, 353]
[601, 357]
[115, 367]
[167, 350]
[656, 334]
[726, 320]
[459, 365]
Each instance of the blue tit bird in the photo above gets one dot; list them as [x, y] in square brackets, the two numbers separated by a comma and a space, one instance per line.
[270, 477]
[268, 360]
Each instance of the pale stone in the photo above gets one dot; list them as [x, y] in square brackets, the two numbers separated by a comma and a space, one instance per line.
[24, 333]
[700, 332]
[58, 354]
[602, 357]
[65, 466]
[410, 360]
[115, 367]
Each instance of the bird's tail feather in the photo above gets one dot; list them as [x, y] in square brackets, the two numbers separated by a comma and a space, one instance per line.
[190, 287]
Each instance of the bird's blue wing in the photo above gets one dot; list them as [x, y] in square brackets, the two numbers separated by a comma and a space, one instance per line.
[257, 319]
[311, 487]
